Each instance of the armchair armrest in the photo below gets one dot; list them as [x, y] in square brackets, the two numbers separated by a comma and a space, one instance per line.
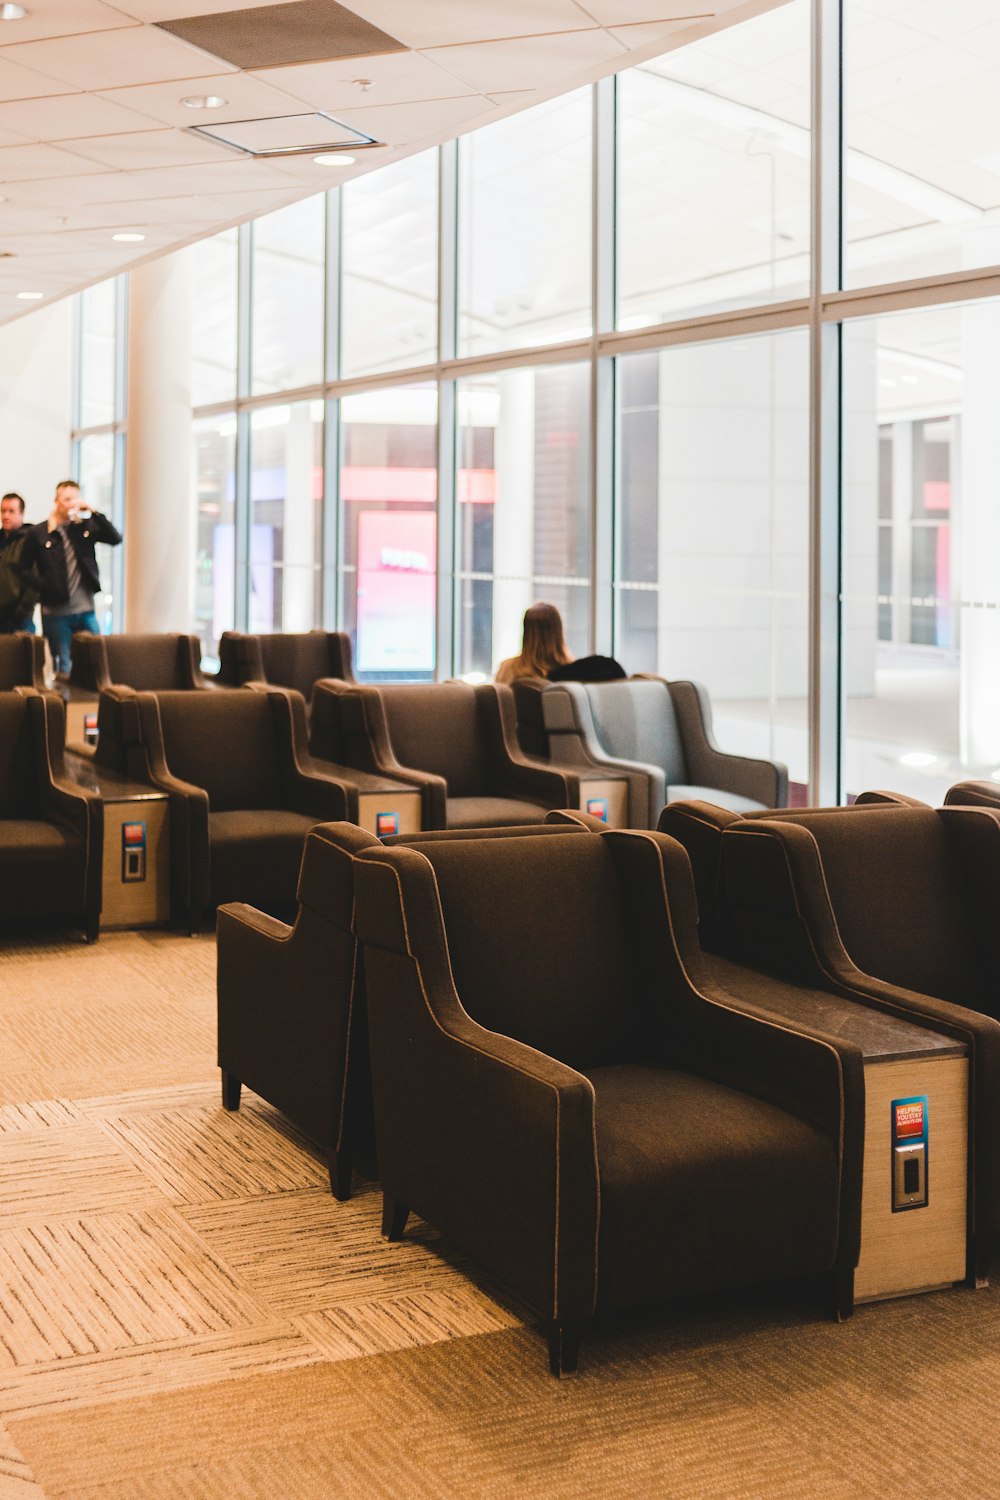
[349, 728]
[526, 775]
[308, 788]
[488, 1138]
[762, 781]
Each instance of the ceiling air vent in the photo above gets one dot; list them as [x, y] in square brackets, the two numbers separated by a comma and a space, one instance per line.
[287, 135]
[269, 36]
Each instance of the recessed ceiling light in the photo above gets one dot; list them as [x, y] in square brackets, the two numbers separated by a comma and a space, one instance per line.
[917, 758]
[204, 101]
[10, 12]
[129, 238]
[30, 296]
[333, 159]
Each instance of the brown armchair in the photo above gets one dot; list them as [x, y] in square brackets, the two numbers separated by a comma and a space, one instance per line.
[292, 1017]
[456, 742]
[241, 798]
[892, 907]
[51, 831]
[973, 794]
[22, 661]
[557, 1093]
[293, 660]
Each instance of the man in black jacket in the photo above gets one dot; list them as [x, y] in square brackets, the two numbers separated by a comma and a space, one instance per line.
[18, 596]
[61, 552]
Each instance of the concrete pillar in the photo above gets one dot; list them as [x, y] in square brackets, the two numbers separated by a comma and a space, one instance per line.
[159, 526]
[976, 519]
[36, 395]
[514, 511]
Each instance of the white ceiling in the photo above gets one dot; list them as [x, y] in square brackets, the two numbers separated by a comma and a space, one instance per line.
[95, 141]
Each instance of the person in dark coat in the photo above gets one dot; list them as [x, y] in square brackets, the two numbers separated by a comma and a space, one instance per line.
[60, 551]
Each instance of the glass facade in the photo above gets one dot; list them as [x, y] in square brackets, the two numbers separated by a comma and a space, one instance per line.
[619, 352]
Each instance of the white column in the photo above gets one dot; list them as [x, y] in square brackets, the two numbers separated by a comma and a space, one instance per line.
[514, 511]
[977, 556]
[159, 506]
[36, 393]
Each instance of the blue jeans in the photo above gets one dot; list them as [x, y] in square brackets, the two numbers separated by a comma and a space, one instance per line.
[58, 631]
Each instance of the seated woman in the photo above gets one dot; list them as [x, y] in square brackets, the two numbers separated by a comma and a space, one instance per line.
[544, 653]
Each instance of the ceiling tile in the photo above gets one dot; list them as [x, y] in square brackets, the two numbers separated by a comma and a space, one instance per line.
[246, 98]
[17, 82]
[51, 18]
[63, 116]
[539, 61]
[26, 163]
[111, 59]
[176, 182]
[148, 148]
[652, 33]
[438, 23]
[411, 124]
[175, 10]
[394, 78]
[613, 13]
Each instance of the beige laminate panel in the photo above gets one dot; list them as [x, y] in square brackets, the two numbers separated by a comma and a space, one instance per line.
[140, 903]
[615, 793]
[406, 805]
[919, 1247]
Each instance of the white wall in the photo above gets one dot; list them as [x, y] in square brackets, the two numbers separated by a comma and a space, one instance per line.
[36, 392]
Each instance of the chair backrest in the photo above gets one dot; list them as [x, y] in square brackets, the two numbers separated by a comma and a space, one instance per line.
[897, 894]
[149, 663]
[292, 660]
[19, 768]
[636, 721]
[227, 743]
[438, 727]
[21, 661]
[539, 943]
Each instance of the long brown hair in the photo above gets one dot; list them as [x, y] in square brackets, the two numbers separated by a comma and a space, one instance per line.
[543, 645]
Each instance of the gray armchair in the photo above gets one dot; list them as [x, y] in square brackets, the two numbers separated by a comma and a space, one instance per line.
[659, 733]
[22, 661]
[296, 659]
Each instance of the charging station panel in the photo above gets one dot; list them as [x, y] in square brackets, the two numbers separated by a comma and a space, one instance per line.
[386, 824]
[910, 1122]
[597, 807]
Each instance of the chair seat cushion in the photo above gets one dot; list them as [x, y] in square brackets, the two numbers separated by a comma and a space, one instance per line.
[732, 801]
[703, 1187]
[256, 853]
[35, 842]
[493, 812]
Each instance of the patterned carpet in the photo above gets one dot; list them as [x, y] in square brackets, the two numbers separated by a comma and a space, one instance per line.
[187, 1314]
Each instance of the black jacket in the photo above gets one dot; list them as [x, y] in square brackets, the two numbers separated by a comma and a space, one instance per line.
[43, 552]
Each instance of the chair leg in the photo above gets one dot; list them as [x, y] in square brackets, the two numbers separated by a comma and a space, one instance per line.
[564, 1347]
[231, 1087]
[394, 1217]
[92, 929]
[843, 1293]
[340, 1174]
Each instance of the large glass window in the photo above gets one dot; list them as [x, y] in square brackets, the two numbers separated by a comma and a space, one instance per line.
[390, 271]
[388, 552]
[524, 228]
[286, 512]
[922, 633]
[214, 462]
[712, 549]
[213, 321]
[98, 329]
[713, 172]
[922, 131]
[523, 507]
[287, 319]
